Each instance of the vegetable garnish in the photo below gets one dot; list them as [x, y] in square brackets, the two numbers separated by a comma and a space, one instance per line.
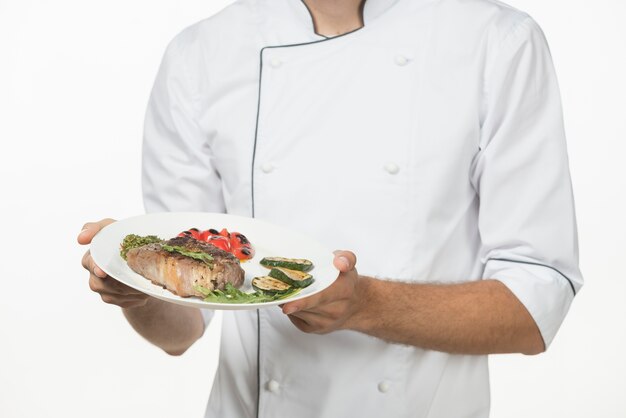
[293, 278]
[270, 285]
[299, 264]
[206, 258]
[135, 241]
[231, 294]
[232, 242]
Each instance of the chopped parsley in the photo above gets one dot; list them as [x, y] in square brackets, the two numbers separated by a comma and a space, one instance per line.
[135, 241]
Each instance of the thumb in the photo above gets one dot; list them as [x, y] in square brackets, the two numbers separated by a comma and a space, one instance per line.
[344, 260]
[90, 229]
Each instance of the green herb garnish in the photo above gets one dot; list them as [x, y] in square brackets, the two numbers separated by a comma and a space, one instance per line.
[135, 241]
[231, 294]
[200, 256]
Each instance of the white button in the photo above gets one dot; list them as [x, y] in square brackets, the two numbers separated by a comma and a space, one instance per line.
[275, 62]
[392, 168]
[267, 167]
[383, 387]
[401, 60]
[273, 386]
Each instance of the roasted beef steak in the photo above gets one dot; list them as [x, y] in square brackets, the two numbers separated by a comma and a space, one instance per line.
[179, 273]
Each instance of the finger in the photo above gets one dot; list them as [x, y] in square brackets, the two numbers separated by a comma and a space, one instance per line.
[101, 286]
[91, 266]
[302, 304]
[123, 301]
[300, 324]
[338, 290]
[112, 287]
[86, 261]
[313, 323]
[311, 302]
[95, 270]
[99, 272]
[122, 289]
[90, 229]
[134, 303]
[344, 261]
[332, 311]
[311, 318]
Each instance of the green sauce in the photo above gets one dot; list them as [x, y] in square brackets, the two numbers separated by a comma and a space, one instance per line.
[135, 241]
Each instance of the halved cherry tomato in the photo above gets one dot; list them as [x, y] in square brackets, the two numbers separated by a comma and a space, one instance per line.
[208, 234]
[220, 242]
[185, 234]
[243, 253]
[240, 246]
[233, 242]
[238, 240]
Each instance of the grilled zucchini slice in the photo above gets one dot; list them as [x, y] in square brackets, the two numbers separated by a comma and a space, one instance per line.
[292, 277]
[270, 285]
[287, 263]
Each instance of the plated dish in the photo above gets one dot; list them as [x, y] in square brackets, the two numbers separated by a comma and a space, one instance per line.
[259, 266]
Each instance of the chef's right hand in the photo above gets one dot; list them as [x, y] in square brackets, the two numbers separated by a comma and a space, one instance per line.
[109, 289]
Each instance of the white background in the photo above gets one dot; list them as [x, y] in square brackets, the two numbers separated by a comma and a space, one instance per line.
[74, 82]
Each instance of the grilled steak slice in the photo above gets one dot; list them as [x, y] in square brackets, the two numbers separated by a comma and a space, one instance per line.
[179, 273]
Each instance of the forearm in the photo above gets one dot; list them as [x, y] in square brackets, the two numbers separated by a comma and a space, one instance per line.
[173, 328]
[481, 317]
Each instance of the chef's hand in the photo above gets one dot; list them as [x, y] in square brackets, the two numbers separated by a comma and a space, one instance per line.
[109, 289]
[332, 308]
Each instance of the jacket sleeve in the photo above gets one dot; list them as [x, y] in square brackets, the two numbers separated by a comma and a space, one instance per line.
[177, 169]
[526, 219]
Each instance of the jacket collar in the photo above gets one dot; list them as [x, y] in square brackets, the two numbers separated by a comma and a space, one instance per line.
[375, 8]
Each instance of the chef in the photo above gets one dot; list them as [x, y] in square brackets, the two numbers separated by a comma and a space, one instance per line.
[424, 137]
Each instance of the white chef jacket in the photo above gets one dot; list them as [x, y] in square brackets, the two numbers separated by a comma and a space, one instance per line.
[430, 142]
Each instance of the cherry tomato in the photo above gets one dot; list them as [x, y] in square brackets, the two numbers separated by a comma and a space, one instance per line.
[224, 232]
[220, 242]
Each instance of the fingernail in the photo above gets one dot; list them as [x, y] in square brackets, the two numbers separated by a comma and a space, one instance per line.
[344, 261]
[98, 272]
[289, 310]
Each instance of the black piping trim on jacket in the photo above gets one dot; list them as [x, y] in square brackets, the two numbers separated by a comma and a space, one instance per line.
[258, 361]
[258, 108]
[256, 131]
[538, 264]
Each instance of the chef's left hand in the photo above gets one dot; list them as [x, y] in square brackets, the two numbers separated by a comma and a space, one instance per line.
[332, 308]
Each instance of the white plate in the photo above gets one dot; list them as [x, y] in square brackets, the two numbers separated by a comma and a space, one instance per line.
[268, 240]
